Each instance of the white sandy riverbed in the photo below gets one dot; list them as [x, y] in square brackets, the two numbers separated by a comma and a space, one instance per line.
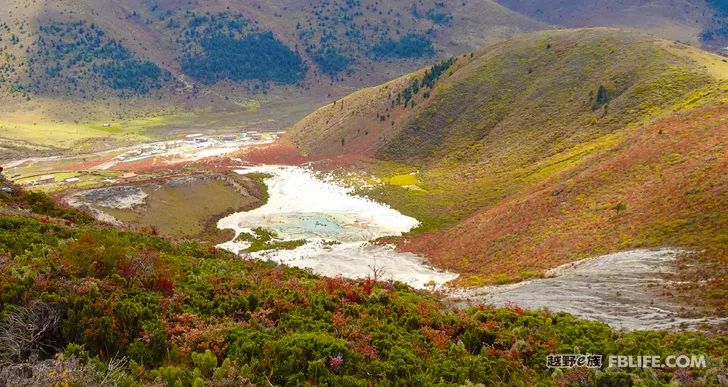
[302, 206]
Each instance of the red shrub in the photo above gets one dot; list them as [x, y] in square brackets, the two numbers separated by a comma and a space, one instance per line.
[438, 337]
[164, 285]
[367, 286]
[335, 362]
[149, 230]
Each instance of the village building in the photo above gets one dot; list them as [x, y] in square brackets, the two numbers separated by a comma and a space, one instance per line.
[128, 175]
[254, 135]
[47, 179]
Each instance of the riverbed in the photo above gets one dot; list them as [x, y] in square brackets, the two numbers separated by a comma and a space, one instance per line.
[624, 289]
[338, 227]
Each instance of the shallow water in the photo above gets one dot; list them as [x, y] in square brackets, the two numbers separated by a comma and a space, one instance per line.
[337, 226]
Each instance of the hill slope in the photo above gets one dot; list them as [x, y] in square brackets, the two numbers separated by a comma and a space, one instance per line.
[151, 68]
[84, 304]
[544, 149]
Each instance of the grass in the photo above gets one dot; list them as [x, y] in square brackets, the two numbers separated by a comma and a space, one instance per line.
[87, 180]
[76, 127]
[450, 192]
[29, 128]
[190, 210]
[642, 195]
[401, 180]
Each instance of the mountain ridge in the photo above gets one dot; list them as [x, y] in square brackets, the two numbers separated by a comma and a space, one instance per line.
[336, 46]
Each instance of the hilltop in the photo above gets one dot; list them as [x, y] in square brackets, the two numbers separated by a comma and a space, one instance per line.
[683, 20]
[544, 149]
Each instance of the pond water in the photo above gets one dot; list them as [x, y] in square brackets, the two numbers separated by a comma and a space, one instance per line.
[337, 226]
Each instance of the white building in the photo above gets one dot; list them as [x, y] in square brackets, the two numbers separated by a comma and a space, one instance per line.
[47, 179]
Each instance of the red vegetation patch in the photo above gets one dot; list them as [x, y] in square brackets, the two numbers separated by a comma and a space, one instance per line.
[438, 337]
[191, 333]
[665, 184]
[87, 164]
[279, 152]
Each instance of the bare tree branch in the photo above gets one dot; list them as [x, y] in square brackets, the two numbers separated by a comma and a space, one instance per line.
[27, 331]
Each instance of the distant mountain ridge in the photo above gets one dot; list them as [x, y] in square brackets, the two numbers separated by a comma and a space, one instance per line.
[692, 21]
[151, 67]
[277, 43]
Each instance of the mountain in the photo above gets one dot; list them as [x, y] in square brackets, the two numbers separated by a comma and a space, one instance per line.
[541, 150]
[149, 67]
[683, 20]
[94, 74]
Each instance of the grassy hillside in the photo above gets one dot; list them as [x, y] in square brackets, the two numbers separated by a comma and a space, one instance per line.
[517, 84]
[82, 304]
[545, 149]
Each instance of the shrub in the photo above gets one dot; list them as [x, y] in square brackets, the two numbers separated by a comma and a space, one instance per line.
[206, 362]
[281, 325]
[408, 46]
[601, 99]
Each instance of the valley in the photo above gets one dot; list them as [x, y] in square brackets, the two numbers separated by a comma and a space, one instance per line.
[507, 190]
[298, 217]
[336, 230]
[362, 193]
[475, 203]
